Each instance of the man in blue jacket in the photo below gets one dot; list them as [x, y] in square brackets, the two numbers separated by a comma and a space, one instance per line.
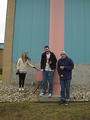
[64, 67]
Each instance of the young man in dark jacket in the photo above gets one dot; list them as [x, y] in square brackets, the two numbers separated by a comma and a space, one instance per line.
[48, 65]
[64, 67]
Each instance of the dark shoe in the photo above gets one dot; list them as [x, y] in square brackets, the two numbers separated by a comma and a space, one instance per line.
[61, 102]
[66, 103]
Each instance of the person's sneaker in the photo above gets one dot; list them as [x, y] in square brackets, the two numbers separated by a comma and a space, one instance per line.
[66, 103]
[50, 95]
[20, 89]
[42, 94]
[61, 102]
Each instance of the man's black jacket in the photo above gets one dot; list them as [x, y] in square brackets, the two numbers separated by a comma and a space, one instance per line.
[52, 59]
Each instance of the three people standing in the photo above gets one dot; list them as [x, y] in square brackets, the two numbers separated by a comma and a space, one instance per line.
[48, 66]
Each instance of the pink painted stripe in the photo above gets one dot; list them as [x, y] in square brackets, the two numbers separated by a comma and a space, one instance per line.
[57, 26]
[56, 37]
[56, 34]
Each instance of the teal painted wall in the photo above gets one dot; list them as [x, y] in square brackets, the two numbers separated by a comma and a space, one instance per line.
[1, 45]
[31, 28]
[77, 30]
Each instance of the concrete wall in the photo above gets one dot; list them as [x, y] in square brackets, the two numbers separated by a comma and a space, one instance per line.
[7, 56]
[30, 77]
[80, 75]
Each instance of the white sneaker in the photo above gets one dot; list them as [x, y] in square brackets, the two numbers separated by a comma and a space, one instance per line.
[41, 94]
[50, 95]
[66, 103]
[20, 89]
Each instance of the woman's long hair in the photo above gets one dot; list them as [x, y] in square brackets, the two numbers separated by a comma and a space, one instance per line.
[25, 57]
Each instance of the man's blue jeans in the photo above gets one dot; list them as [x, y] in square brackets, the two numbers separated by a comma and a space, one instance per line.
[48, 75]
[65, 89]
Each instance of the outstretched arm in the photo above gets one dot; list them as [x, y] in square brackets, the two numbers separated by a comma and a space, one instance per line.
[33, 66]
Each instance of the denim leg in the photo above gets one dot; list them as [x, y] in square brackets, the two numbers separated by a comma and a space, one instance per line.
[62, 83]
[44, 82]
[50, 79]
[68, 89]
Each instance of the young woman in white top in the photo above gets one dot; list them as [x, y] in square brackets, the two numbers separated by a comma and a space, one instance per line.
[22, 64]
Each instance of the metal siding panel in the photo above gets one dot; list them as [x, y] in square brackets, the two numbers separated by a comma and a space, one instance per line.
[77, 25]
[31, 28]
[1, 45]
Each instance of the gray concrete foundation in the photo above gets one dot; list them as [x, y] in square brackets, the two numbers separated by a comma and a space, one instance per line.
[80, 83]
[30, 76]
[80, 75]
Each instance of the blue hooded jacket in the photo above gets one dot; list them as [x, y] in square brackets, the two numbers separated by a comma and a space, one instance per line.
[67, 71]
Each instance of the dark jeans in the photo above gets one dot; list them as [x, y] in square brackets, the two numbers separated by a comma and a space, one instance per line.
[48, 75]
[65, 89]
[21, 79]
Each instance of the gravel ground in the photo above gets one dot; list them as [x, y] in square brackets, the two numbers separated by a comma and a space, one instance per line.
[31, 93]
[12, 94]
[80, 93]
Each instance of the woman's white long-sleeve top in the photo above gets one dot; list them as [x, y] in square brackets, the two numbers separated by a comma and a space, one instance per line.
[22, 66]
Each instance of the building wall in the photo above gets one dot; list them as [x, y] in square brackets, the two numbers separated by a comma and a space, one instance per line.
[1, 54]
[56, 41]
[77, 27]
[1, 45]
[62, 24]
[1, 58]
[31, 33]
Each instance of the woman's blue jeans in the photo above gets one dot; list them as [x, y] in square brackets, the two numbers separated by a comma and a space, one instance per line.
[48, 75]
[65, 89]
